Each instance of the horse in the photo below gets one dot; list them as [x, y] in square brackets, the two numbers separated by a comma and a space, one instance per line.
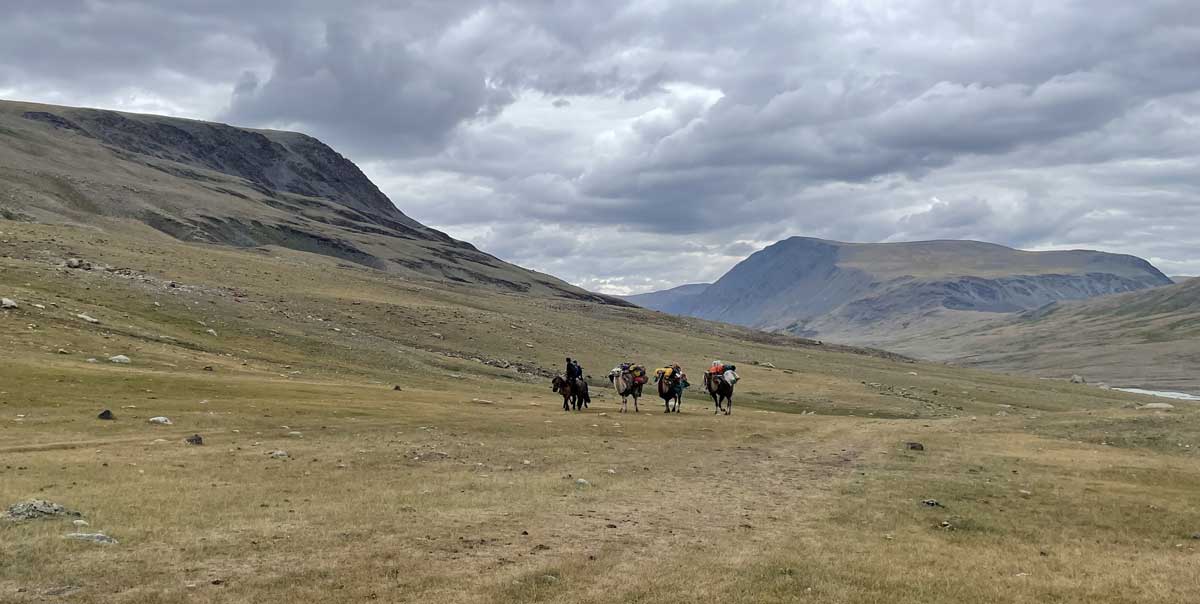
[720, 390]
[626, 387]
[574, 394]
[670, 390]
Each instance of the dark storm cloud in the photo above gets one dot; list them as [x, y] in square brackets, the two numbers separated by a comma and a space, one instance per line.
[597, 139]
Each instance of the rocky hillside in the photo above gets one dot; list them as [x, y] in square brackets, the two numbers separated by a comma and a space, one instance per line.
[880, 294]
[218, 184]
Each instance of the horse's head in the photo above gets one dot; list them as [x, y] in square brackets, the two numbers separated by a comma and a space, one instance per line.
[557, 383]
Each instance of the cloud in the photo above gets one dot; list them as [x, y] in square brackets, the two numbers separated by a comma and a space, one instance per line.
[645, 143]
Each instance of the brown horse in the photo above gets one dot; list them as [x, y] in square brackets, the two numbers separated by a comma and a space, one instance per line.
[574, 394]
[719, 390]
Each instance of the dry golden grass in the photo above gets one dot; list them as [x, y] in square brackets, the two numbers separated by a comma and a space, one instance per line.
[424, 495]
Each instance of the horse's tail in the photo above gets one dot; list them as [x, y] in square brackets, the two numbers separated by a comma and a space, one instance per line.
[587, 398]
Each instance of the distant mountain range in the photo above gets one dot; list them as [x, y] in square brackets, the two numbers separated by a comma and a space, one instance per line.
[881, 293]
[964, 301]
[213, 183]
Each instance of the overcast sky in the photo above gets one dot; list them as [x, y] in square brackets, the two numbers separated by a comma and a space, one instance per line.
[629, 146]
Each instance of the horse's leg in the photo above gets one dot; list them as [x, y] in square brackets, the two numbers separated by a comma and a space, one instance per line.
[730, 410]
[635, 405]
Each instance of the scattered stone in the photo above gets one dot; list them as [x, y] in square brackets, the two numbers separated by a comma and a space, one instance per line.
[34, 509]
[769, 365]
[549, 579]
[63, 590]
[106, 414]
[278, 454]
[8, 303]
[194, 439]
[915, 446]
[90, 360]
[76, 263]
[945, 525]
[88, 319]
[933, 503]
[1196, 535]
[211, 332]
[208, 367]
[120, 359]
[1078, 379]
[295, 434]
[397, 388]
[1025, 493]
[80, 523]
[160, 420]
[63, 351]
[1161, 406]
[582, 483]
[99, 538]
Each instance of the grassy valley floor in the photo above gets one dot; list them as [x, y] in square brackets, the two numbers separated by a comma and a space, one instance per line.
[464, 485]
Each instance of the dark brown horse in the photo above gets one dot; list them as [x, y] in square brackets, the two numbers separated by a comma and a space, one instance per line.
[670, 390]
[719, 390]
[574, 392]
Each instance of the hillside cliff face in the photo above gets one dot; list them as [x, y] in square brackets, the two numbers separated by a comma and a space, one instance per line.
[873, 293]
[214, 183]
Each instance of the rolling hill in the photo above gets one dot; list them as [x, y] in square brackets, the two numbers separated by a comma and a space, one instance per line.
[1146, 339]
[213, 183]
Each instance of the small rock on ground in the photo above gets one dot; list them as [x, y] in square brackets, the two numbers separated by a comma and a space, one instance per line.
[106, 414]
[160, 420]
[1162, 406]
[1078, 379]
[194, 439]
[120, 358]
[8, 303]
[914, 446]
[100, 538]
[88, 318]
[933, 503]
[278, 454]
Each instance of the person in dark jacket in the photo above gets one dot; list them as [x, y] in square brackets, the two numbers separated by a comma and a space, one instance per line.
[570, 373]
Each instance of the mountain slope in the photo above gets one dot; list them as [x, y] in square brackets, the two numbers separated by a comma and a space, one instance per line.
[879, 294]
[669, 300]
[1148, 339]
[214, 183]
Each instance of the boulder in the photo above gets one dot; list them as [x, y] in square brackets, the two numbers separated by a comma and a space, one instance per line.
[34, 509]
[106, 414]
[1159, 406]
[100, 538]
[119, 359]
[160, 420]
[1078, 379]
[8, 303]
